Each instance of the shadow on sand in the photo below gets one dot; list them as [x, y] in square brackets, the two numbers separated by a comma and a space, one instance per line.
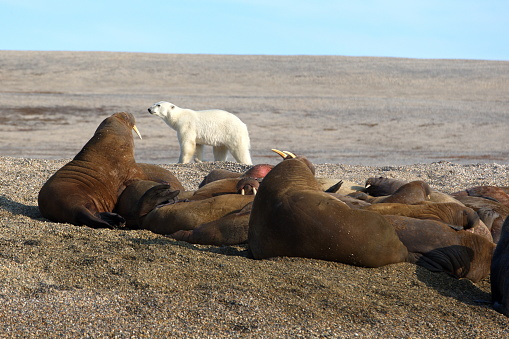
[17, 208]
[462, 290]
[238, 250]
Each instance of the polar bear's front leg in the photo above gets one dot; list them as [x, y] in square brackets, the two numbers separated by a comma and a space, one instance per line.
[198, 153]
[187, 149]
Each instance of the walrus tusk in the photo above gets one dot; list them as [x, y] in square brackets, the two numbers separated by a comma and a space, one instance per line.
[242, 192]
[137, 132]
[254, 191]
[283, 155]
[290, 154]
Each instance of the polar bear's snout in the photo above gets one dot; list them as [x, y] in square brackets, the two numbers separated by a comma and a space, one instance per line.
[152, 109]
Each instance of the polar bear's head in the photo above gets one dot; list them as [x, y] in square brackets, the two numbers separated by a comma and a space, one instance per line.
[162, 109]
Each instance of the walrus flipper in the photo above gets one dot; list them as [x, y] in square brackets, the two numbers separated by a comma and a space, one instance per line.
[100, 220]
[157, 195]
[335, 188]
[113, 219]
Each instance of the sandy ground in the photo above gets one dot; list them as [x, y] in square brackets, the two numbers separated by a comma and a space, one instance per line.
[444, 122]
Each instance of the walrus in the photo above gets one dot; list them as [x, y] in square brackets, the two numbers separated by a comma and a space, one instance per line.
[85, 190]
[232, 229]
[239, 186]
[413, 192]
[500, 272]
[291, 216]
[482, 206]
[456, 216]
[381, 186]
[154, 214]
[219, 182]
[257, 171]
[450, 213]
[434, 245]
[127, 204]
[494, 193]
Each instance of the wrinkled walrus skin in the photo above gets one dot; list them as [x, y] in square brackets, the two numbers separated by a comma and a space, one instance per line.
[85, 190]
[291, 216]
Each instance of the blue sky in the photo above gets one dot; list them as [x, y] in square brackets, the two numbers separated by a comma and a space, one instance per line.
[450, 29]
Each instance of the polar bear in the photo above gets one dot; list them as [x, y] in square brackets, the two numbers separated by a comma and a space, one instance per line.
[220, 129]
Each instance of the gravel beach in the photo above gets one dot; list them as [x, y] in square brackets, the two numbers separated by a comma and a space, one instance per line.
[441, 121]
[59, 280]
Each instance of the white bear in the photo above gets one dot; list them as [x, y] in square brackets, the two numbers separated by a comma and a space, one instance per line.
[220, 129]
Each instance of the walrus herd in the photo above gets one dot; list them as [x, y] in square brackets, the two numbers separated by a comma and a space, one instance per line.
[284, 210]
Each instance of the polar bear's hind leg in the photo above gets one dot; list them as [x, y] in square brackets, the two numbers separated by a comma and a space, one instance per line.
[241, 155]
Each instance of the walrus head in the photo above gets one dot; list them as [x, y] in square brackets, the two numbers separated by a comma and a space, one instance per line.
[124, 118]
[294, 172]
[248, 186]
[129, 120]
[289, 155]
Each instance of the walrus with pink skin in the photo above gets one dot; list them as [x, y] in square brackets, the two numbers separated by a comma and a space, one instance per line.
[220, 182]
[257, 171]
[291, 216]
[85, 190]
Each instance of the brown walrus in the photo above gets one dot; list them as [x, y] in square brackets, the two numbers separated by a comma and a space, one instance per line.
[85, 190]
[494, 193]
[483, 206]
[413, 192]
[450, 213]
[291, 216]
[127, 204]
[153, 214]
[232, 229]
[381, 186]
[434, 245]
[456, 216]
[500, 272]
